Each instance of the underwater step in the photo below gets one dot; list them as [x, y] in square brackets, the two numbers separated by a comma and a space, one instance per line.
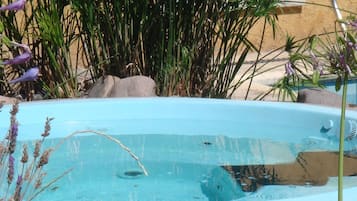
[310, 168]
[280, 181]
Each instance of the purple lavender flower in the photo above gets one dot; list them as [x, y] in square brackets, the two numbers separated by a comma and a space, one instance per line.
[316, 64]
[15, 6]
[12, 137]
[29, 75]
[17, 194]
[22, 58]
[23, 46]
[19, 180]
[344, 65]
[14, 130]
[333, 60]
[11, 170]
[351, 46]
[354, 24]
[289, 69]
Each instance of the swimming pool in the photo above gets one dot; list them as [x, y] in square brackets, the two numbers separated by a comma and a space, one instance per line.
[193, 149]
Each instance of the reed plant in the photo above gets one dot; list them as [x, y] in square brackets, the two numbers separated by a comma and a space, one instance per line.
[190, 48]
[55, 33]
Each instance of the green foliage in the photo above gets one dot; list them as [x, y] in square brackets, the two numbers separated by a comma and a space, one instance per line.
[315, 57]
[334, 57]
[54, 35]
[49, 30]
[12, 29]
[188, 47]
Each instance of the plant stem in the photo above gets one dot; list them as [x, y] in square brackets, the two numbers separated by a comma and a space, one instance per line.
[342, 139]
[256, 60]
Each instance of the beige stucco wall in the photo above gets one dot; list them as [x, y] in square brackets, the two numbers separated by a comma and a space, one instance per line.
[312, 19]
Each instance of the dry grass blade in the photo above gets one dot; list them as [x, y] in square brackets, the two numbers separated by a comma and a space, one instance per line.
[125, 148]
[49, 184]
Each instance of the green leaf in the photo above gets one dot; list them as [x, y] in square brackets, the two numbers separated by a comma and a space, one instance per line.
[351, 37]
[1, 27]
[315, 77]
[6, 40]
[341, 40]
[338, 83]
[313, 41]
[290, 43]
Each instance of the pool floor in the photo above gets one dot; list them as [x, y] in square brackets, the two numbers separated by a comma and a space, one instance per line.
[114, 185]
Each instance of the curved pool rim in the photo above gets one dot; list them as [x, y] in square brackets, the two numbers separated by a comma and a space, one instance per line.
[189, 116]
[161, 115]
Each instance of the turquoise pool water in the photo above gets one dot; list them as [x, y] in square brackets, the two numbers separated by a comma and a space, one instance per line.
[186, 145]
[180, 167]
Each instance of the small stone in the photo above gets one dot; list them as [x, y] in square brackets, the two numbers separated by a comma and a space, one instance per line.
[7, 100]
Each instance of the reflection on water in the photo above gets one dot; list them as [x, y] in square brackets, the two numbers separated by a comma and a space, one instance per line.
[190, 168]
[310, 168]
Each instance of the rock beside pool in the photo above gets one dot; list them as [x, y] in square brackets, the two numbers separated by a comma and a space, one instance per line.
[7, 100]
[319, 96]
[112, 86]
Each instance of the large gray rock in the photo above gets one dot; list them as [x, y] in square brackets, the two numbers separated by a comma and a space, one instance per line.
[7, 100]
[319, 97]
[112, 86]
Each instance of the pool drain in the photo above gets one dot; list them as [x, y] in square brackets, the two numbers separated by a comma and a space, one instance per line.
[130, 174]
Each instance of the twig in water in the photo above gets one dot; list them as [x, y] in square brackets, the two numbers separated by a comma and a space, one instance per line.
[136, 158]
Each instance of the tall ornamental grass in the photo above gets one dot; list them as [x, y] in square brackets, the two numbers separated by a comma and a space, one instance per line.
[190, 48]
